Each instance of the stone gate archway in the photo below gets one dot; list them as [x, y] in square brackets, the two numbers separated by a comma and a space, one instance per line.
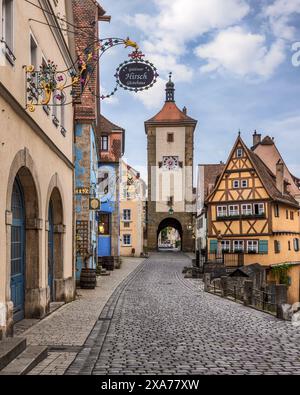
[170, 223]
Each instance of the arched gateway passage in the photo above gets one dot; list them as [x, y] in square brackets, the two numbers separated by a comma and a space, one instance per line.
[169, 235]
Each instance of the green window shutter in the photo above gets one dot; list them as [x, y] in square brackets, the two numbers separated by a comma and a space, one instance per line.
[263, 246]
[213, 246]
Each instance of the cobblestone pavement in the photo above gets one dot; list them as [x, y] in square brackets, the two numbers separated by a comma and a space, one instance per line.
[66, 330]
[161, 323]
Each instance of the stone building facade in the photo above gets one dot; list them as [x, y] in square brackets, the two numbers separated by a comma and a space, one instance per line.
[171, 201]
[86, 117]
[111, 143]
[36, 221]
[132, 211]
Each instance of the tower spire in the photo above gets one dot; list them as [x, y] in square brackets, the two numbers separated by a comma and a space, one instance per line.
[170, 90]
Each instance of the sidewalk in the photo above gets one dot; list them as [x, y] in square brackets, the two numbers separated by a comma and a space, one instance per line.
[66, 330]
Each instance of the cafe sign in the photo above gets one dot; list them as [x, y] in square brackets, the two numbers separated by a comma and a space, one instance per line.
[136, 75]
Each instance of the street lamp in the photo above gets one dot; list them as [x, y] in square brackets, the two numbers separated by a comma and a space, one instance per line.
[171, 211]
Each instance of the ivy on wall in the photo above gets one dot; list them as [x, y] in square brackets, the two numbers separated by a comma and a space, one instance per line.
[281, 273]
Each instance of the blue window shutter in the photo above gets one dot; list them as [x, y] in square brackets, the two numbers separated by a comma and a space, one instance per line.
[213, 246]
[263, 246]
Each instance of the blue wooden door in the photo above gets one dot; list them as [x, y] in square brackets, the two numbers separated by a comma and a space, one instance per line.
[51, 252]
[18, 252]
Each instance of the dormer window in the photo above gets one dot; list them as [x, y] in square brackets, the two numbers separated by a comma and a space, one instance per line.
[240, 153]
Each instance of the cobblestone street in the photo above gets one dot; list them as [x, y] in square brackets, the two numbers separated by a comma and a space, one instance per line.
[157, 322]
[66, 330]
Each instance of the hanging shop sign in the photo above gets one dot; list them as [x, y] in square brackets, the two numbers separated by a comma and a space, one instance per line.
[95, 204]
[136, 75]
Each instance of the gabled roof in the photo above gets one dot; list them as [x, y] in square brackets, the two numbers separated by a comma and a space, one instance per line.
[107, 127]
[267, 178]
[171, 113]
[211, 174]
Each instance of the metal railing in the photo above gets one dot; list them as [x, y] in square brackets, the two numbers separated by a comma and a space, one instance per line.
[225, 259]
[261, 299]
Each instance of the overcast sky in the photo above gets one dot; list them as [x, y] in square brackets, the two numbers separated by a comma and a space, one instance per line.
[232, 66]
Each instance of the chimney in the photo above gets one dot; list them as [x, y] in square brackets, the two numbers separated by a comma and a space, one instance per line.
[256, 138]
[280, 176]
[184, 110]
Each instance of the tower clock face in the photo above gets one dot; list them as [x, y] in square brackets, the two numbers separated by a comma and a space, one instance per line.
[170, 162]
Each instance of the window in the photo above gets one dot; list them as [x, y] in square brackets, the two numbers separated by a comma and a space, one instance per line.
[226, 245]
[289, 246]
[8, 27]
[287, 214]
[296, 245]
[104, 143]
[252, 246]
[126, 215]
[33, 52]
[127, 240]
[222, 211]
[259, 208]
[247, 209]
[104, 224]
[276, 210]
[233, 210]
[236, 184]
[292, 215]
[126, 224]
[238, 246]
[239, 152]
[170, 138]
[244, 183]
[103, 183]
[277, 247]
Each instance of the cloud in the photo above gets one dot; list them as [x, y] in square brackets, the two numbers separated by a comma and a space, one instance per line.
[280, 14]
[240, 52]
[178, 22]
[153, 97]
[111, 100]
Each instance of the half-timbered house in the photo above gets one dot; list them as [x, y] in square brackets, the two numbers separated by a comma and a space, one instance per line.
[252, 216]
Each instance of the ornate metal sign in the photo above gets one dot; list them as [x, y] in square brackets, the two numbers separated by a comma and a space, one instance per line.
[136, 75]
[49, 86]
[95, 204]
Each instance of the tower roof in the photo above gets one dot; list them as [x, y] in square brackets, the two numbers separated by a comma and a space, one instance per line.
[170, 113]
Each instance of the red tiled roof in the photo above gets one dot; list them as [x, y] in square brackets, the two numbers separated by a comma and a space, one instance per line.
[170, 112]
[107, 127]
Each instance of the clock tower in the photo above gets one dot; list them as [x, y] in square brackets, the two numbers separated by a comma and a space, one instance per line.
[171, 203]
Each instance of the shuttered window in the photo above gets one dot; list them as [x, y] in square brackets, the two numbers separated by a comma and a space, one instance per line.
[263, 247]
[213, 246]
